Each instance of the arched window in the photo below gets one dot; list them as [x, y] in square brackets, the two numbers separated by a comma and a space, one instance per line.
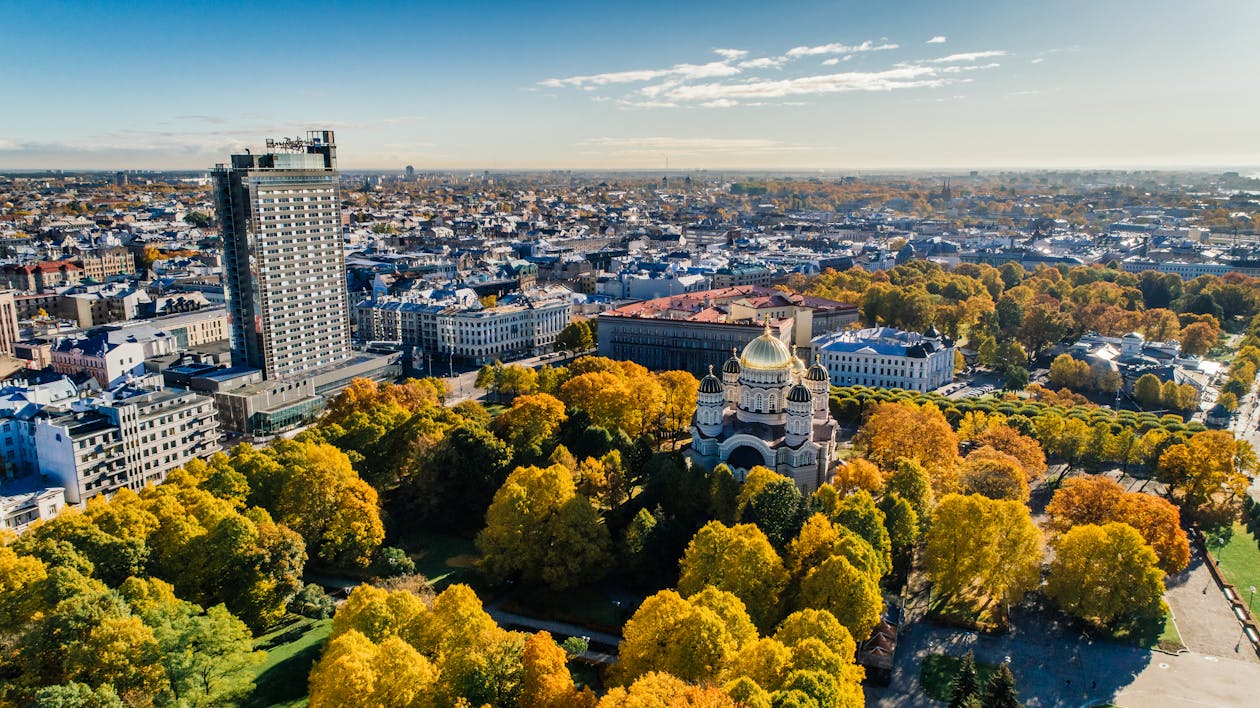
[760, 403]
[774, 402]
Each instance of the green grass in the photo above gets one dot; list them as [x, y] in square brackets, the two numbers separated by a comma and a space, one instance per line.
[443, 559]
[291, 651]
[980, 614]
[1239, 560]
[1153, 633]
[937, 674]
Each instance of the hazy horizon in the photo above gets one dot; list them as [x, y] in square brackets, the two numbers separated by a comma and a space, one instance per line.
[733, 86]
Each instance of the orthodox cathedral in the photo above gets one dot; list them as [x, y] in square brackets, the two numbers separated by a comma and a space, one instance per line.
[769, 410]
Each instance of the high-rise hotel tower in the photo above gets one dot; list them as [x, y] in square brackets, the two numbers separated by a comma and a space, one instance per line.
[283, 259]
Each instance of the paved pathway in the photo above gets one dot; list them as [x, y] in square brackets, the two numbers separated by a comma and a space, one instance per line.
[1204, 619]
[1053, 670]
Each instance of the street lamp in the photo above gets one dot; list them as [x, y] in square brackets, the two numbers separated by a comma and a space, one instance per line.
[1253, 597]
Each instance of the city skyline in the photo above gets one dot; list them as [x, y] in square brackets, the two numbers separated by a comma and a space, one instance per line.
[800, 86]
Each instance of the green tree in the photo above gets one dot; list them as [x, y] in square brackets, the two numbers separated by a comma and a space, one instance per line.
[452, 486]
[1001, 692]
[778, 509]
[966, 685]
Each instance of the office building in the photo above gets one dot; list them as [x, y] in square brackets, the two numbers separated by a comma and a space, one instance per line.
[691, 331]
[283, 258]
[453, 324]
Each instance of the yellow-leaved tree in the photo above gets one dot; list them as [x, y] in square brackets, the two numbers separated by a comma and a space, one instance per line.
[1104, 574]
[538, 528]
[982, 549]
[740, 560]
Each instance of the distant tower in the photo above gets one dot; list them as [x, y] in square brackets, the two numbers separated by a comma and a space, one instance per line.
[411, 173]
[730, 378]
[818, 381]
[946, 193]
[283, 259]
[800, 415]
[710, 403]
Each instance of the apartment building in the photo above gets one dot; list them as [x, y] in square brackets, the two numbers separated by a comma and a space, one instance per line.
[128, 437]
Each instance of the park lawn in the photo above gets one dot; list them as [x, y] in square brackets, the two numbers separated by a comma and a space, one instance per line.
[291, 651]
[444, 559]
[1239, 560]
[1154, 633]
[981, 615]
[937, 674]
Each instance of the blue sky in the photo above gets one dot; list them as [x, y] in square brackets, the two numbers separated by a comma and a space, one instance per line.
[778, 85]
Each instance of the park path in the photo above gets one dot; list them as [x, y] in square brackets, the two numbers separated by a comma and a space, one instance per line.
[560, 629]
[1204, 619]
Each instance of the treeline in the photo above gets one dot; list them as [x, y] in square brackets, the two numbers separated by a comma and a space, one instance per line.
[989, 307]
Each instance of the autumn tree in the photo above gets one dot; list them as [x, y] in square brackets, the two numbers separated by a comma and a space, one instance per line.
[740, 560]
[849, 594]
[921, 434]
[530, 423]
[313, 489]
[546, 682]
[1100, 500]
[981, 546]
[1201, 474]
[1026, 450]
[1105, 573]
[540, 529]
[671, 634]
[858, 473]
[994, 474]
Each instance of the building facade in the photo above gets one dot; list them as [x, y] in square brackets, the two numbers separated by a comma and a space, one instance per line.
[283, 258]
[520, 325]
[8, 322]
[126, 438]
[109, 362]
[104, 263]
[767, 409]
[691, 331]
[884, 357]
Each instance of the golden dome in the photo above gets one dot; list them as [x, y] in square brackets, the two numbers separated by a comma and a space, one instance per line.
[766, 352]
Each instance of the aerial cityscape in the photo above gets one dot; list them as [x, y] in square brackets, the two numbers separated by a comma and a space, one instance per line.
[809, 355]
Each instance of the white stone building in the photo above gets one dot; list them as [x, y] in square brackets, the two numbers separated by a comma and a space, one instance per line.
[768, 410]
[884, 357]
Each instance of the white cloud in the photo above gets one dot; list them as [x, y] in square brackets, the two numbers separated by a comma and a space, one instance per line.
[687, 71]
[831, 62]
[763, 63]
[889, 80]
[1038, 60]
[731, 54]
[720, 103]
[866, 46]
[938, 39]
[966, 56]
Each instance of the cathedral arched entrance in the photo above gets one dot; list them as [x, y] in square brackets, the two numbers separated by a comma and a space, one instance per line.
[744, 458]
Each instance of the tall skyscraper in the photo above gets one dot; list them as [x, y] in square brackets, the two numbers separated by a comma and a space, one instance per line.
[283, 259]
